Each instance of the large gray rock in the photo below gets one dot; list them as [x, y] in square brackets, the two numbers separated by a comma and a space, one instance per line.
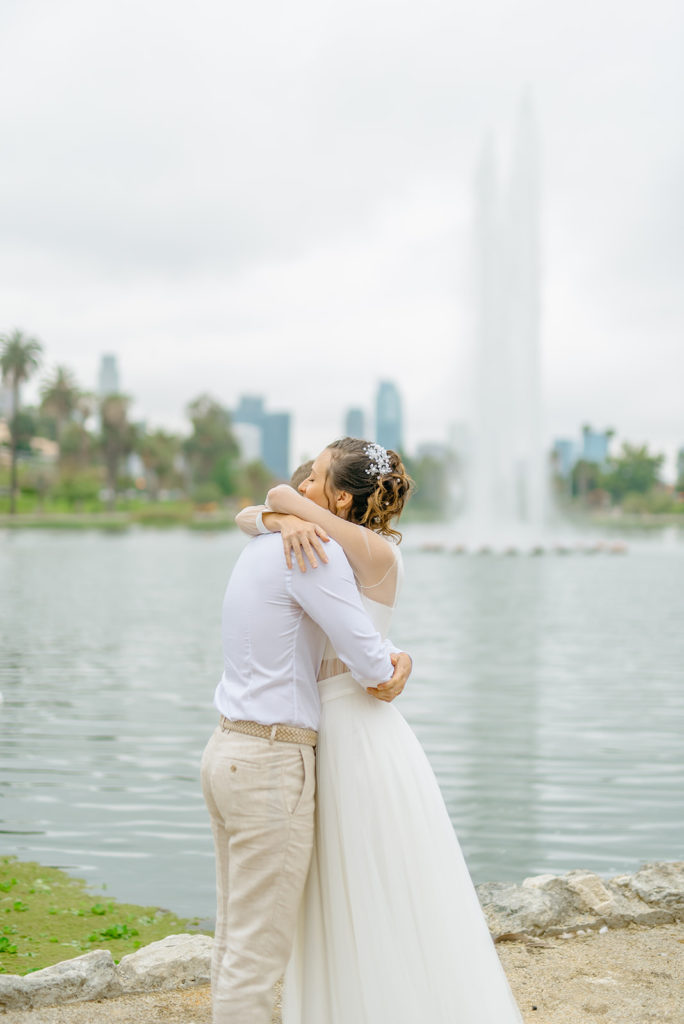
[660, 884]
[513, 909]
[551, 904]
[178, 961]
[543, 904]
[590, 892]
[92, 976]
[595, 902]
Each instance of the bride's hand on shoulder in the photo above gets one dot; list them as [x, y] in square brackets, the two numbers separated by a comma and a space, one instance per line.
[299, 536]
[370, 555]
[302, 539]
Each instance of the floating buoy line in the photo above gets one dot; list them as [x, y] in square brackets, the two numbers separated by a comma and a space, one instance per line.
[616, 547]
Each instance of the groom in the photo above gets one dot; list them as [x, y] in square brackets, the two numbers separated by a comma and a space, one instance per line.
[258, 769]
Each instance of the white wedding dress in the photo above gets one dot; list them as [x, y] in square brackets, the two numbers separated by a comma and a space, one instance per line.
[390, 928]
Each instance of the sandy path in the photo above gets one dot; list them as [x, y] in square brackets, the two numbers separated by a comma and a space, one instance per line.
[628, 976]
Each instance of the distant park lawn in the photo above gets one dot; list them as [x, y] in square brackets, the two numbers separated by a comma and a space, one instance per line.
[59, 516]
[47, 916]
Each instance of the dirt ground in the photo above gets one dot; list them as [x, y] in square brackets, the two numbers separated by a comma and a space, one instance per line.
[628, 976]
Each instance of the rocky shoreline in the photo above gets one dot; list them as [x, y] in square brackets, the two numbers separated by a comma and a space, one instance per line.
[577, 904]
[582, 901]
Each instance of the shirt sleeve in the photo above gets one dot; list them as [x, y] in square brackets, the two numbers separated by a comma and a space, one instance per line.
[330, 597]
[250, 520]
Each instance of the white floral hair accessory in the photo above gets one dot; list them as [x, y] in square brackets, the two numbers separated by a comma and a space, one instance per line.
[378, 458]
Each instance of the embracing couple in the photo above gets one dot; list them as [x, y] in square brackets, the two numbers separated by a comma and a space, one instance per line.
[360, 895]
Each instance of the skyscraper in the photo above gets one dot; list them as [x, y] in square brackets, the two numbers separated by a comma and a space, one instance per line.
[275, 445]
[354, 423]
[388, 418]
[595, 445]
[274, 433]
[248, 436]
[108, 378]
[565, 453]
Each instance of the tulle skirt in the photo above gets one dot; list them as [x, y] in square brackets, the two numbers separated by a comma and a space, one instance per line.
[390, 928]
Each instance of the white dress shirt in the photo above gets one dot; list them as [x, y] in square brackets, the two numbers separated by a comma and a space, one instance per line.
[275, 624]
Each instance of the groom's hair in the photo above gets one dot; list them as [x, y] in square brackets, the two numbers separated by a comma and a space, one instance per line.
[300, 474]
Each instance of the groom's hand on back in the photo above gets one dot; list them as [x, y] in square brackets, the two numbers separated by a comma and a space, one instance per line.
[393, 687]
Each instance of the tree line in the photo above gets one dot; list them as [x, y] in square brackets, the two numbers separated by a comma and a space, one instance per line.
[630, 480]
[95, 437]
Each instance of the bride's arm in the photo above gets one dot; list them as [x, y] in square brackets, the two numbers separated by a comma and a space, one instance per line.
[370, 556]
[250, 519]
[299, 536]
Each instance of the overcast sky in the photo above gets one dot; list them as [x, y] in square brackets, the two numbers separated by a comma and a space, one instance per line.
[276, 198]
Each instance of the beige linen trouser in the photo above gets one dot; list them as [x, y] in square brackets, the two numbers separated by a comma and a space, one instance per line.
[260, 796]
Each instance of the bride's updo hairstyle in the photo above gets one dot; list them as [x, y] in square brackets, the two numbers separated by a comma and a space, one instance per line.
[376, 479]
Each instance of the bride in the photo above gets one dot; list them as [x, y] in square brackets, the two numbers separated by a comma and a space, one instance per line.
[390, 928]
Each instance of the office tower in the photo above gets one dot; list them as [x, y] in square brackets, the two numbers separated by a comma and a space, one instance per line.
[354, 423]
[388, 418]
[274, 433]
[595, 445]
[250, 410]
[248, 436]
[108, 378]
[276, 444]
[565, 452]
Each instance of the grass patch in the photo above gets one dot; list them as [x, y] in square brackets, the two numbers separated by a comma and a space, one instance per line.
[161, 514]
[152, 516]
[212, 524]
[47, 916]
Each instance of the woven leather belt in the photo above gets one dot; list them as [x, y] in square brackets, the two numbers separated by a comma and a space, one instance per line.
[282, 733]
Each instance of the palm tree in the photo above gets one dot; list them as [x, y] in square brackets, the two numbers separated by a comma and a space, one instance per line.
[76, 442]
[158, 452]
[118, 438]
[60, 397]
[19, 360]
[211, 448]
[86, 406]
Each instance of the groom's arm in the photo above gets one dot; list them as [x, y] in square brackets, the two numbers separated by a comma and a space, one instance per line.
[330, 597]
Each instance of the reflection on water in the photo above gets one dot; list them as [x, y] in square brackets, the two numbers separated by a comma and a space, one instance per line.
[547, 692]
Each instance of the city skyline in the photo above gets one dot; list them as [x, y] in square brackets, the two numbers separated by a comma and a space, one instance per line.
[274, 446]
[454, 438]
[319, 242]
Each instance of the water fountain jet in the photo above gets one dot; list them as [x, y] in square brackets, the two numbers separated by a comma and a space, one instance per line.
[506, 479]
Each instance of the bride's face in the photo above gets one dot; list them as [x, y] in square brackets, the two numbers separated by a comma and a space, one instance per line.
[314, 487]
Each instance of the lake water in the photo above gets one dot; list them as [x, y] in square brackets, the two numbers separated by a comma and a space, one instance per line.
[548, 693]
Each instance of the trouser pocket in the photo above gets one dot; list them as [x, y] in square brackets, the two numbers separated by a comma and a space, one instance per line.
[299, 782]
